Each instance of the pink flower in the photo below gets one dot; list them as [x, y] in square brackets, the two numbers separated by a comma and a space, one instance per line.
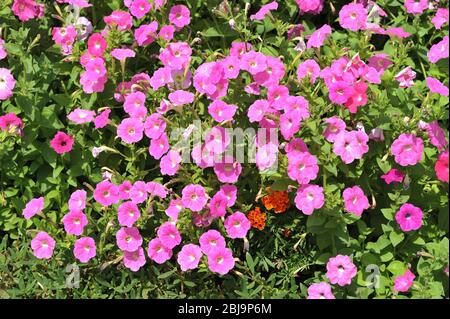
[84, 249]
[398, 32]
[416, 6]
[180, 16]
[290, 124]
[310, 6]
[33, 207]
[138, 192]
[404, 282]
[139, 8]
[295, 147]
[308, 69]
[11, 124]
[189, 257]
[170, 163]
[210, 241]
[438, 51]
[123, 20]
[123, 54]
[129, 239]
[27, 9]
[353, 16]
[355, 200]
[351, 145]
[97, 44]
[156, 189]
[303, 168]
[231, 67]
[334, 127]
[62, 143]
[180, 97]
[175, 207]
[230, 192]
[393, 176]
[74, 222]
[340, 92]
[220, 260]
[436, 86]
[158, 252]
[194, 197]
[159, 146]
[441, 18]
[43, 245]
[134, 260]
[239, 48]
[80, 116]
[169, 235]
[266, 156]
[407, 149]
[134, 104]
[166, 32]
[319, 36]
[106, 193]
[436, 135]
[7, 84]
[128, 214]
[264, 10]
[409, 217]
[441, 167]
[237, 225]
[124, 190]
[257, 110]
[321, 290]
[380, 62]
[218, 205]
[102, 119]
[308, 198]
[221, 111]
[176, 55]
[340, 270]
[130, 130]
[146, 34]
[405, 77]
[227, 169]
[92, 82]
[3, 53]
[253, 62]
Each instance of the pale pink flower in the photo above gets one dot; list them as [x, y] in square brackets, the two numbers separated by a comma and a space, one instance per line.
[170, 163]
[43, 245]
[321, 290]
[130, 130]
[436, 86]
[80, 116]
[406, 77]
[189, 257]
[169, 235]
[7, 84]
[264, 10]
[74, 222]
[220, 260]
[33, 207]
[308, 198]
[237, 225]
[84, 249]
[227, 169]
[128, 239]
[319, 36]
[128, 214]
[134, 260]
[158, 252]
[159, 146]
[439, 50]
[194, 197]
[221, 111]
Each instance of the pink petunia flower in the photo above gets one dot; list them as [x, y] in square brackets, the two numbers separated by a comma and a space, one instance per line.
[33, 207]
[441, 167]
[416, 6]
[308, 69]
[134, 104]
[355, 200]
[321, 290]
[128, 214]
[97, 45]
[180, 16]
[436, 86]
[189, 257]
[220, 260]
[253, 62]
[439, 50]
[158, 252]
[409, 217]
[146, 34]
[180, 97]
[102, 119]
[303, 168]
[393, 176]
[159, 146]
[3, 52]
[310, 6]
[176, 55]
[237, 225]
[123, 54]
[230, 192]
[139, 8]
[120, 19]
[404, 282]
[308, 198]
[380, 62]
[128, 239]
[134, 260]
[138, 192]
[221, 111]
[266, 156]
[257, 110]
[334, 127]
[441, 18]
[436, 135]
[12, 124]
[194, 197]
[106, 193]
[405, 77]
[227, 169]
[74, 222]
[211, 240]
[169, 235]
[218, 205]
[170, 163]
[43, 245]
[174, 208]
[62, 143]
[166, 32]
[130, 130]
[341, 270]
[7, 84]
[290, 124]
[264, 10]
[80, 116]
[318, 37]
[353, 16]
[351, 145]
[156, 189]
[407, 149]
[84, 249]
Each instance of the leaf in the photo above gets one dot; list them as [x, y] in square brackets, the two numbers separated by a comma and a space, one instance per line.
[396, 238]
[397, 268]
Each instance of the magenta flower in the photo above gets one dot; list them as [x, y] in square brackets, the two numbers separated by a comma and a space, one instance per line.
[174, 208]
[220, 260]
[253, 62]
[134, 104]
[194, 197]
[231, 67]
[33, 207]
[303, 168]
[355, 200]
[80, 116]
[128, 214]
[102, 119]
[436, 135]
[123, 54]
[146, 34]
[416, 6]
[439, 50]
[441, 18]
[11, 123]
[138, 192]
[176, 55]
[129, 239]
[334, 127]
[130, 130]
[218, 205]
[393, 176]
[405, 77]
[257, 110]
[170, 163]
[106, 193]
[237, 225]
[84, 249]
[156, 189]
[441, 167]
[221, 111]
[159, 146]
[121, 19]
[308, 198]
[341, 270]
[319, 36]
[74, 222]
[404, 282]
[227, 170]
[290, 124]
[310, 6]
[43, 245]
[353, 16]
[189, 257]
[166, 32]
[409, 217]
[154, 126]
[134, 260]
[407, 149]
[97, 45]
[308, 69]
[180, 16]
[321, 290]
[380, 62]
[230, 192]
[169, 235]
[211, 240]
[62, 143]
[351, 145]
[139, 8]
[264, 10]
[436, 86]
[158, 252]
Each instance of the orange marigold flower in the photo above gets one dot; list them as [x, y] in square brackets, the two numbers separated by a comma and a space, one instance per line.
[276, 200]
[257, 218]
